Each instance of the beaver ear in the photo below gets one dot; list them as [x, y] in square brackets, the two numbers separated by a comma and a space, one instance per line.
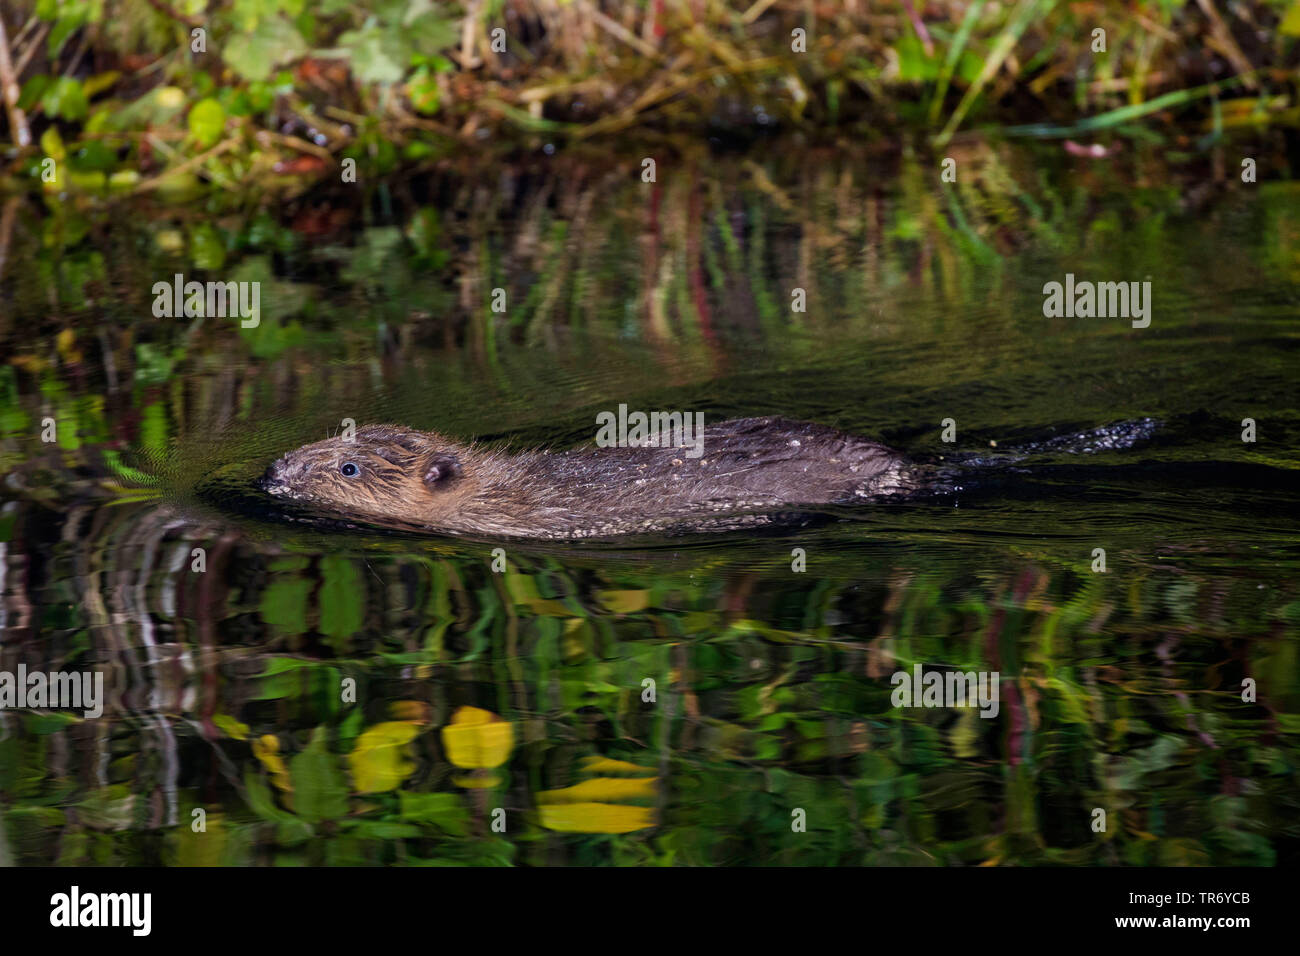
[441, 467]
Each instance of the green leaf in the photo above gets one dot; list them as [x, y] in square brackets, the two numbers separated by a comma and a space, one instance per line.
[378, 56]
[153, 427]
[107, 808]
[207, 120]
[274, 41]
[442, 810]
[156, 108]
[65, 99]
[51, 722]
[430, 32]
[1290, 25]
[424, 233]
[231, 727]
[52, 143]
[249, 13]
[100, 82]
[292, 829]
[63, 29]
[284, 604]
[94, 156]
[284, 665]
[33, 90]
[424, 92]
[124, 180]
[207, 251]
[320, 791]
[384, 830]
[342, 594]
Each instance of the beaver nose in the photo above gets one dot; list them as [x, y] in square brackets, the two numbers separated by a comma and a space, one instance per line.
[269, 478]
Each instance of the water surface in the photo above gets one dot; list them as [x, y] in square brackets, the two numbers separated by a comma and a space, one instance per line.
[521, 697]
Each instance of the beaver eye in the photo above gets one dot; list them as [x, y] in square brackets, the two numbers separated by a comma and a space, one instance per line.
[349, 469]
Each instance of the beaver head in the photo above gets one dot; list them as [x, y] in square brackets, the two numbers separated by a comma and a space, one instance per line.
[383, 472]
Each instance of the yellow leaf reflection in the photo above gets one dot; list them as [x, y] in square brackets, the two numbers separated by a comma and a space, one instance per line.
[590, 807]
[479, 781]
[602, 788]
[624, 602]
[381, 758]
[477, 738]
[267, 749]
[608, 765]
[596, 817]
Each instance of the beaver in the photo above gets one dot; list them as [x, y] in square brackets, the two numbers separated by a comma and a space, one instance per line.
[751, 471]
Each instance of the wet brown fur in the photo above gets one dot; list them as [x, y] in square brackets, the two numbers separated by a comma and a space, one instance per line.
[750, 468]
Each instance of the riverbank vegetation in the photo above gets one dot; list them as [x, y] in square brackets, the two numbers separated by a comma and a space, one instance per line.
[129, 96]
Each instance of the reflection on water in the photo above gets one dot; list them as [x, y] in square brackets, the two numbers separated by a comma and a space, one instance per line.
[334, 696]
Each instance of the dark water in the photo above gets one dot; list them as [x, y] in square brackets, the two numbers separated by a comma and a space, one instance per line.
[332, 696]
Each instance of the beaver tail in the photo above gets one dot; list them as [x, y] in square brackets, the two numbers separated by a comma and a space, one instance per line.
[963, 471]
